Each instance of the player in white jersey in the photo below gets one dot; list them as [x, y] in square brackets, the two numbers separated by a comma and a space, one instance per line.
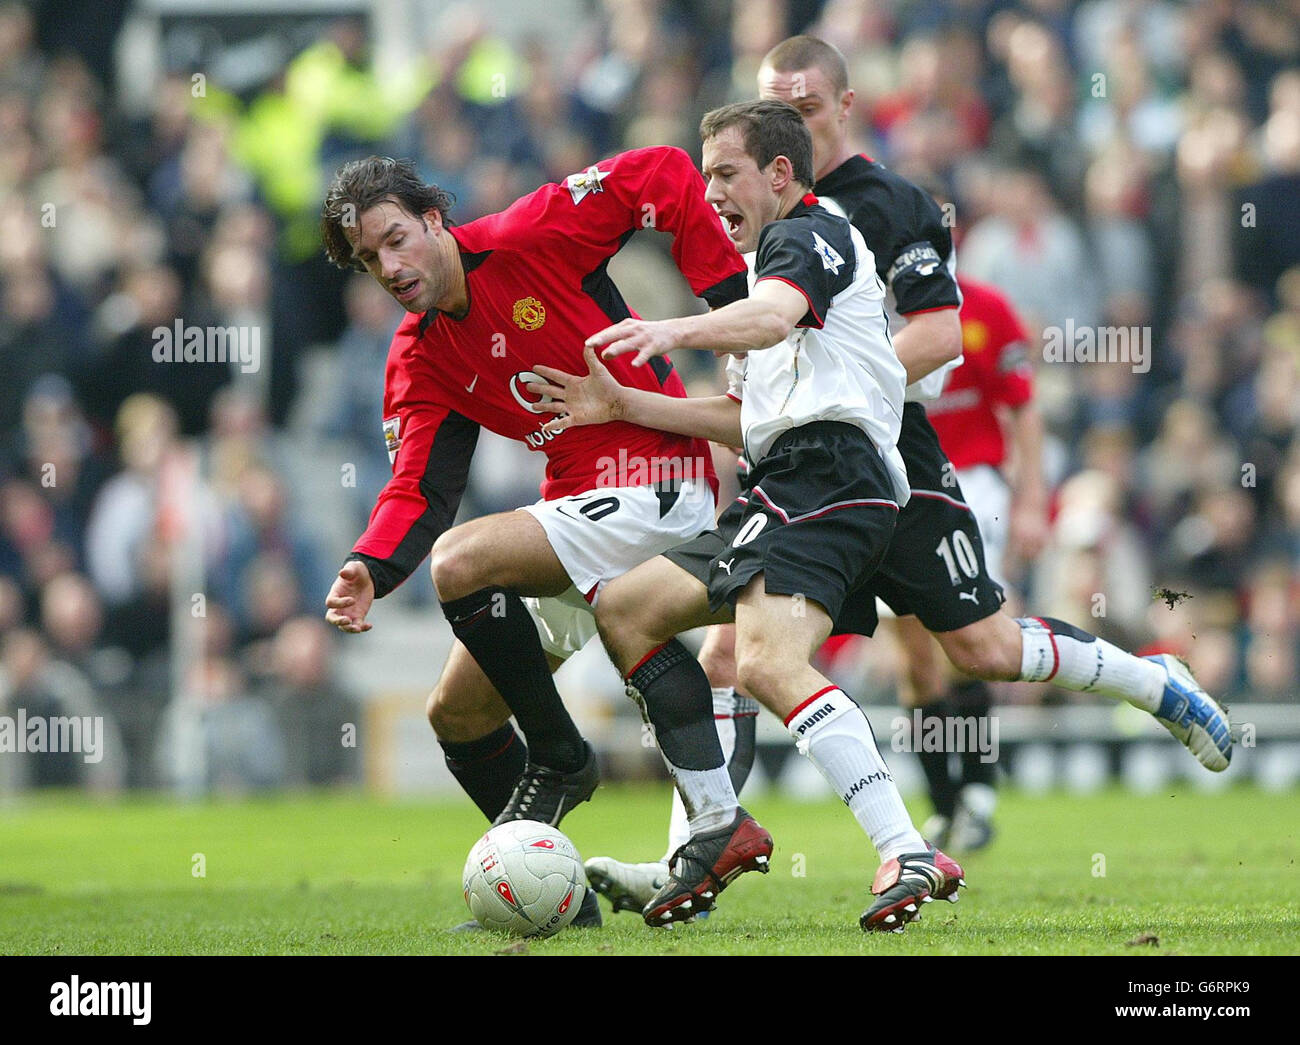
[934, 577]
[817, 402]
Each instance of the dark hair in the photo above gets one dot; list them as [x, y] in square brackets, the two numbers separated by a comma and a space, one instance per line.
[769, 129]
[360, 185]
[808, 52]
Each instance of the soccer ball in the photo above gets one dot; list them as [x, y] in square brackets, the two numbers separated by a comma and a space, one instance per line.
[524, 878]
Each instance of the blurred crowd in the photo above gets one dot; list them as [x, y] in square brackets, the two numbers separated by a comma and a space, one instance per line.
[1114, 163]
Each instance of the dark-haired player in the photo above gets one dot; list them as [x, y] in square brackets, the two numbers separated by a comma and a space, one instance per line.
[487, 302]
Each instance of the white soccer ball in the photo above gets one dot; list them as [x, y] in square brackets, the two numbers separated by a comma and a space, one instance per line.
[524, 878]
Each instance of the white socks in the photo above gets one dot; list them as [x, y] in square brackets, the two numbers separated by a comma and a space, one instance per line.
[708, 791]
[1056, 652]
[834, 733]
[726, 706]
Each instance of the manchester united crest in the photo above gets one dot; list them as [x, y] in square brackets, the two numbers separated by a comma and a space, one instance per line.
[529, 313]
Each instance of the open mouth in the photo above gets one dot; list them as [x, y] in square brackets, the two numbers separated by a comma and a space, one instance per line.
[406, 290]
[734, 222]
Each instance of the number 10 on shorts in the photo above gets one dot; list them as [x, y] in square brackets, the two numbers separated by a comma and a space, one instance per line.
[959, 553]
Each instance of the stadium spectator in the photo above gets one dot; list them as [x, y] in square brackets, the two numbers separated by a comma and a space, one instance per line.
[322, 722]
[35, 682]
[58, 458]
[1035, 253]
[216, 736]
[270, 568]
[125, 516]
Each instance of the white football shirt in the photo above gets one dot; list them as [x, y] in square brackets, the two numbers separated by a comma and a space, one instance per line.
[838, 364]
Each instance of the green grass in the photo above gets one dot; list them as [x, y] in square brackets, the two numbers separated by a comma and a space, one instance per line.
[1206, 874]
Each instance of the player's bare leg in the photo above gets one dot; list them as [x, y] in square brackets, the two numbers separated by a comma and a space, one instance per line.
[776, 638]
[647, 607]
[989, 649]
[481, 570]
[463, 705]
[508, 549]
[1042, 649]
[718, 655]
[472, 723]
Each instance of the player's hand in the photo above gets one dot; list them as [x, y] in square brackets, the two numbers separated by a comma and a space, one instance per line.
[1027, 530]
[589, 400]
[350, 598]
[644, 337]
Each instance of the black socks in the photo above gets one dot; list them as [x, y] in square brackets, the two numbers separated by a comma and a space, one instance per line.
[679, 703]
[499, 633]
[972, 699]
[934, 763]
[488, 768]
[969, 699]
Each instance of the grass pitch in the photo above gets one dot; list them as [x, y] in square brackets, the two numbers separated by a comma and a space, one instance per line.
[1202, 873]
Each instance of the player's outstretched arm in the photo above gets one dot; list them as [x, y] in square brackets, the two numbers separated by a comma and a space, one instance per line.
[598, 397]
[432, 447]
[350, 598]
[760, 321]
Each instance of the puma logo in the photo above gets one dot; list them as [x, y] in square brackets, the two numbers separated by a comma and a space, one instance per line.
[969, 595]
[727, 565]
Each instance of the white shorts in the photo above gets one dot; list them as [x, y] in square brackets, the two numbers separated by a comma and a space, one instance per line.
[600, 535]
[989, 498]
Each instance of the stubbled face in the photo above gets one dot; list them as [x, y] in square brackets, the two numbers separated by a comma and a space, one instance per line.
[740, 192]
[402, 252]
[825, 111]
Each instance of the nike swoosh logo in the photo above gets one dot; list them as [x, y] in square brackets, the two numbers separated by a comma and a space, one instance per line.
[470, 387]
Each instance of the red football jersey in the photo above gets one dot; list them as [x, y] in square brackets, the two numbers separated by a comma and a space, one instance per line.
[995, 371]
[538, 288]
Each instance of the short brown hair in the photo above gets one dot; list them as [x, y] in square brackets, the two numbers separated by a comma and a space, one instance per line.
[769, 129]
[809, 52]
[360, 185]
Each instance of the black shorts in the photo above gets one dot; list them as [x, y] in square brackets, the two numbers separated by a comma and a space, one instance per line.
[935, 564]
[815, 519]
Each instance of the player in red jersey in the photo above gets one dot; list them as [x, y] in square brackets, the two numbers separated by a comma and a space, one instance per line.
[985, 401]
[488, 301]
[995, 372]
